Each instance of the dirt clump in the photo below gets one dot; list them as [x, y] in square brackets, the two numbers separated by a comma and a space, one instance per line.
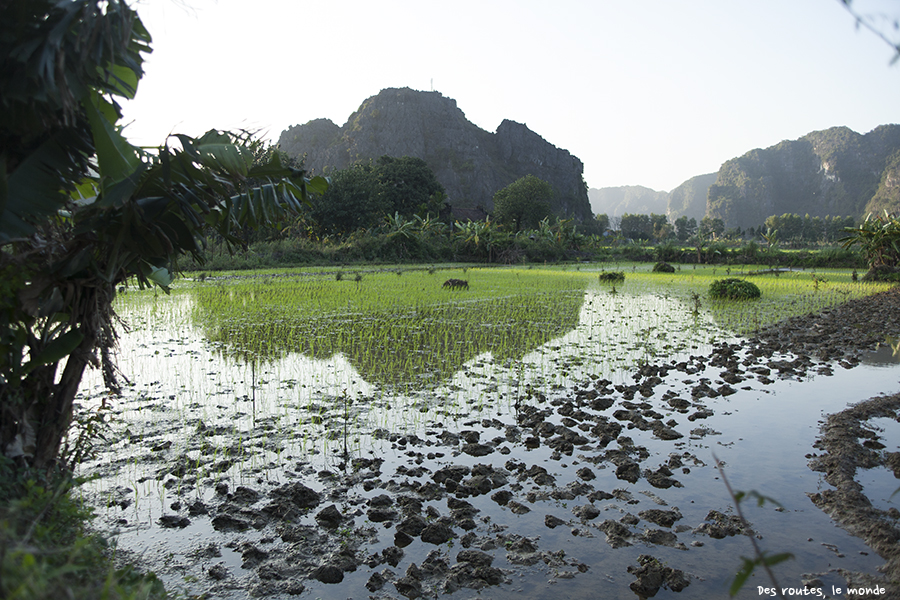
[846, 442]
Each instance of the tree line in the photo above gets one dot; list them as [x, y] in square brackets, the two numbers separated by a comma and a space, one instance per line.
[787, 228]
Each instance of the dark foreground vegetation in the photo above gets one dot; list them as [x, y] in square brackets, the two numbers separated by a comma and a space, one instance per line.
[47, 548]
[83, 211]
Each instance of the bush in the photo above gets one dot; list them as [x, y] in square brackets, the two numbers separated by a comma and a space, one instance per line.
[663, 267]
[883, 273]
[612, 276]
[734, 289]
[667, 251]
[47, 549]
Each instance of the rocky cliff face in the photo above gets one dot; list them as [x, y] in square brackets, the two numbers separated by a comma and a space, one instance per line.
[689, 198]
[835, 172]
[471, 164]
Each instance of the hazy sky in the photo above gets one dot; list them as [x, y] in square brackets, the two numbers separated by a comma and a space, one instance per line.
[644, 92]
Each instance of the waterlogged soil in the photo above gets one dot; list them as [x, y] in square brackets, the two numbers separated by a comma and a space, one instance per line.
[587, 486]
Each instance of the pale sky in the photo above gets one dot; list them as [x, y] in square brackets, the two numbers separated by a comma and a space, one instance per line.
[644, 92]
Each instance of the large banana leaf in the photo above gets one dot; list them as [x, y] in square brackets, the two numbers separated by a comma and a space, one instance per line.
[37, 188]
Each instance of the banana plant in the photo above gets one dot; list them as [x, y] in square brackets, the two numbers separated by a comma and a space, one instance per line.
[399, 226]
[879, 239]
[82, 210]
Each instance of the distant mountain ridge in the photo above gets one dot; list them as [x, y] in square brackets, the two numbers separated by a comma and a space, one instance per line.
[835, 172]
[627, 199]
[471, 163]
[688, 199]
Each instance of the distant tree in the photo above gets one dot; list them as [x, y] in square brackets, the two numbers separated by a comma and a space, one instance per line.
[685, 228]
[602, 221]
[734, 233]
[637, 227]
[662, 229]
[711, 227]
[813, 229]
[407, 186]
[523, 203]
[350, 203]
[789, 225]
[835, 227]
[363, 194]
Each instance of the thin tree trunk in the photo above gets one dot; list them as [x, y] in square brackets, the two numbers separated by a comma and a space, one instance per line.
[56, 414]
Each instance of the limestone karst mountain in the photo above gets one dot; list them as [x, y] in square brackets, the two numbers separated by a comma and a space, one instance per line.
[627, 199]
[688, 199]
[471, 163]
[835, 172]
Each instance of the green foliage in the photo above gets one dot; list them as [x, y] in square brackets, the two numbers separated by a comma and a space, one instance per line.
[408, 186]
[805, 229]
[350, 203]
[750, 252]
[362, 195]
[646, 227]
[734, 289]
[47, 549]
[883, 273]
[711, 227]
[84, 210]
[685, 228]
[748, 565]
[46, 140]
[523, 203]
[611, 276]
[636, 227]
[667, 251]
[879, 239]
[761, 558]
[663, 267]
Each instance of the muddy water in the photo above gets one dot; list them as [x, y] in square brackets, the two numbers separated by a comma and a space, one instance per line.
[199, 438]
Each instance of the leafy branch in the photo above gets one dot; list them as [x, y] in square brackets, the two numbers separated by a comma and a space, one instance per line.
[761, 558]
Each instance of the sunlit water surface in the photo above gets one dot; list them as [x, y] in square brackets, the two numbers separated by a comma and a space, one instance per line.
[297, 416]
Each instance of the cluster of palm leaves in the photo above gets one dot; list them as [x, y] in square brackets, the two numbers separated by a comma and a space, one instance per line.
[82, 210]
[879, 239]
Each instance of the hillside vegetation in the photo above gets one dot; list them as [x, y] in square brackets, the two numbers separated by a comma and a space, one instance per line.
[832, 172]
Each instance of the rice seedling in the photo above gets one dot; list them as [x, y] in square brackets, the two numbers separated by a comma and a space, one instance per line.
[400, 332]
[376, 351]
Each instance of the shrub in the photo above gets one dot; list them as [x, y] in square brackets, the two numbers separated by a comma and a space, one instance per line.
[612, 276]
[663, 267]
[734, 289]
[667, 251]
[882, 273]
[47, 549]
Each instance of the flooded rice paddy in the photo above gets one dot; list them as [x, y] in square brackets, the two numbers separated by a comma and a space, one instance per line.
[540, 435]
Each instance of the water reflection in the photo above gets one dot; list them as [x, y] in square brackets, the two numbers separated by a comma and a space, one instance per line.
[407, 348]
[297, 426]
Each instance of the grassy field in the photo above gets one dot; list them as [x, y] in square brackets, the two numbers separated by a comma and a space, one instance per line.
[397, 323]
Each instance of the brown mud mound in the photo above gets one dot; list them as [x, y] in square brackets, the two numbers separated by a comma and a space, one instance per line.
[840, 333]
[850, 445]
